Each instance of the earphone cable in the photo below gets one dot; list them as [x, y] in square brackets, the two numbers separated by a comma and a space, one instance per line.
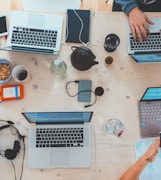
[77, 81]
[12, 128]
[69, 82]
[20, 137]
[14, 169]
[23, 159]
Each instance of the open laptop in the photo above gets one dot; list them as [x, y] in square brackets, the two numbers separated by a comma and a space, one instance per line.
[35, 32]
[59, 139]
[148, 51]
[150, 112]
[50, 5]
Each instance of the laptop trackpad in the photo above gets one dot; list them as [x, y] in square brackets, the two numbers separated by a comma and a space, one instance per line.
[36, 20]
[60, 158]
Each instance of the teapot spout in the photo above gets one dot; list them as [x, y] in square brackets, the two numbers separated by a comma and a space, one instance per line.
[95, 62]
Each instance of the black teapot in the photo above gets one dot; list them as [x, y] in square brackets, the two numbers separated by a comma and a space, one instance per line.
[82, 58]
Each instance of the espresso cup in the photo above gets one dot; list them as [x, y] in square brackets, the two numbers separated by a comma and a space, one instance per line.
[21, 74]
[111, 43]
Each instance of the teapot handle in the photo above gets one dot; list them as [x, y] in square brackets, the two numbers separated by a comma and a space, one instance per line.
[73, 48]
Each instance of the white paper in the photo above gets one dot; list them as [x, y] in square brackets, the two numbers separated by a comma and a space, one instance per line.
[11, 92]
[153, 170]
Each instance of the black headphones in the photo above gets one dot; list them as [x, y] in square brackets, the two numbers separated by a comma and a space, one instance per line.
[11, 154]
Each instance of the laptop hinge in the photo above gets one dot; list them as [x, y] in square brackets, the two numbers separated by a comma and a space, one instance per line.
[59, 123]
[32, 50]
[158, 53]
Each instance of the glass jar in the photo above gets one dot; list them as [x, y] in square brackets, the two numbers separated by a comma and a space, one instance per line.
[58, 67]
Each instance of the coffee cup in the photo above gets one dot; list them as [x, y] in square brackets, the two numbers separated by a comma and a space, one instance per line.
[111, 43]
[20, 73]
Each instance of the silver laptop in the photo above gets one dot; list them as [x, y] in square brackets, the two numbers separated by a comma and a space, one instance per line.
[148, 51]
[59, 139]
[35, 32]
[150, 112]
[50, 5]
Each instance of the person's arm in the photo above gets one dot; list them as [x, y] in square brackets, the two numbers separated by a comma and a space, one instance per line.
[135, 170]
[127, 6]
[137, 19]
[139, 24]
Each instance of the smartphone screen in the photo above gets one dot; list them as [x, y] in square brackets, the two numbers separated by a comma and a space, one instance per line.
[3, 26]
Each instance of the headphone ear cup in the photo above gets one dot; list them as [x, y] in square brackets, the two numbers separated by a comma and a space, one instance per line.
[16, 146]
[10, 154]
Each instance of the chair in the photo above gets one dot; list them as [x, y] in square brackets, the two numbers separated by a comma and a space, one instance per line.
[116, 6]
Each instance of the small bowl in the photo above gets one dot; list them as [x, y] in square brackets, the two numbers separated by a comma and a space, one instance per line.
[5, 70]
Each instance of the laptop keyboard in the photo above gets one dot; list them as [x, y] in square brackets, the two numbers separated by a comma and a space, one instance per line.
[151, 44]
[59, 137]
[34, 37]
[151, 112]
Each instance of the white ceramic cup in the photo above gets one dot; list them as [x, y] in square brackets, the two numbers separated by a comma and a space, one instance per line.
[20, 73]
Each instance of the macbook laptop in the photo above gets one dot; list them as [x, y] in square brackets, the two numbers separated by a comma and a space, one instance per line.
[150, 112]
[50, 5]
[59, 139]
[35, 32]
[147, 51]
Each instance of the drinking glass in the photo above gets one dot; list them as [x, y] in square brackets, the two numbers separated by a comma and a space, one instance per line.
[115, 126]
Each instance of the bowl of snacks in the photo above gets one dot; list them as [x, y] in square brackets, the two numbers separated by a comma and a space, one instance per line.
[5, 70]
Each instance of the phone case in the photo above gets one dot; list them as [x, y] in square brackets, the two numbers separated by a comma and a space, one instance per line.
[84, 90]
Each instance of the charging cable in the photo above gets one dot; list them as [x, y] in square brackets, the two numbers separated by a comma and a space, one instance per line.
[98, 92]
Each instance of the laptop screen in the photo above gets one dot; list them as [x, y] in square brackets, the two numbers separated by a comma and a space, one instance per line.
[152, 93]
[58, 117]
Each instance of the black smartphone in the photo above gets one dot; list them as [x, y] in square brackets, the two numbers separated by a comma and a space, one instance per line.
[84, 90]
[3, 25]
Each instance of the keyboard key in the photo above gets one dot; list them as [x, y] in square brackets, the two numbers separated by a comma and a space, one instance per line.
[59, 137]
[34, 37]
[151, 44]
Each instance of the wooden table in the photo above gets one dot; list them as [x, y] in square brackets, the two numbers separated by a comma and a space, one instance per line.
[124, 82]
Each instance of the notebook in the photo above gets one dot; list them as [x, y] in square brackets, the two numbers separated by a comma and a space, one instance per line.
[78, 25]
[59, 139]
[150, 112]
[35, 32]
[148, 51]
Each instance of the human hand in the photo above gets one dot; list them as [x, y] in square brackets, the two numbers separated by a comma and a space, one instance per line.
[152, 151]
[139, 24]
